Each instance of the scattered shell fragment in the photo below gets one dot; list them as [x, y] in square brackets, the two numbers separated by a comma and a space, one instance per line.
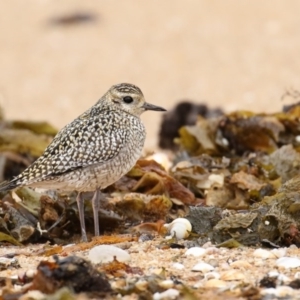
[273, 273]
[279, 292]
[211, 250]
[142, 285]
[178, 266]
[241, 264]
[196, 251]
[168, 294]
[215, 283]
[233, 275]
[7, 262]
[162, 159]
[166, 284]
[280, 277]
[106, 253]
[212, 275]
[262, 253]
[280, 252]
[202, 267]
[179, 228]
[288, 262]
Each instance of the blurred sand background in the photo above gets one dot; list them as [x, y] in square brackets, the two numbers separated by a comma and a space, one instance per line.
[237, 54]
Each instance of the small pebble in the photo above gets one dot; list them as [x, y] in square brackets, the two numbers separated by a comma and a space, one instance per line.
[293, 246]
[224, 266]
[168, 294]
[202, 267]
[214, 262]
[106, 253]
[195, 251]
[212, 250]
[262, 253]
[178, 266]
[145, 237]
[288, 262]
[207, 245]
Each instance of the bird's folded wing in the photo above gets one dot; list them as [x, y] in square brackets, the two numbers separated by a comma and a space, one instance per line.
[78, 145]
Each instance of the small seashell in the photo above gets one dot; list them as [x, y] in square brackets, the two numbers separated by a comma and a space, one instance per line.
[283, 278]
[106, 253]
[168, 294]
[142, 285]
[207, 245]
[280, 277]
[297, 138]
[288, 262]
[224, 266]
[217, 178]
[180, 228]
[212, 250]
[166, 284]
[202, 267]
[293, 246]
[280, 252]
[284, 292]
[279, 292]
[118, 284]
[262, 253]
[273, 273]
[162, 159]
[215, 283]
[212, 275]
[195, 251]
[232, 275]
[178, 266]
[241, 264]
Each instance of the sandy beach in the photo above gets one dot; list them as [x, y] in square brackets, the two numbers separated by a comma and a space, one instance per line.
[233, 54]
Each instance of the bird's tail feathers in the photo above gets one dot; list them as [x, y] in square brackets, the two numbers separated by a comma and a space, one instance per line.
[8, 185]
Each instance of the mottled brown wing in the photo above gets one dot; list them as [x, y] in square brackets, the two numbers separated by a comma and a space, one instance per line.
[86, 141]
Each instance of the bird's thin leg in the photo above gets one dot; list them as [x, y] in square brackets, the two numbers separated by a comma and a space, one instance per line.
[80, 204]
[95, 204]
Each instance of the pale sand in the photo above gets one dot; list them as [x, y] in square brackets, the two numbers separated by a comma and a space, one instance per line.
[236, 54]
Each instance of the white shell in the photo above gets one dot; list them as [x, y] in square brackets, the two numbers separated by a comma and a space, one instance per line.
[196, 251]
[180, 228]
[264, 254]
[178, 266]
[279, 252]
[162, 159]
[288, 262]
[168, 294]
[202, 267]
[106, 253]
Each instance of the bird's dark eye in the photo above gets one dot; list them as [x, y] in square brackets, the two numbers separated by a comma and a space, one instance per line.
[127, 99]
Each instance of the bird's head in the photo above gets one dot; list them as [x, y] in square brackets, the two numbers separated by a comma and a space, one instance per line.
[129, 98]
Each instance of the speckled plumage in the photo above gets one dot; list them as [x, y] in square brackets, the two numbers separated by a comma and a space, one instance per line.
[95, 149]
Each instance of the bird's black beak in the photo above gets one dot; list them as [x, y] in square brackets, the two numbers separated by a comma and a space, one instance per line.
[148, 106]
